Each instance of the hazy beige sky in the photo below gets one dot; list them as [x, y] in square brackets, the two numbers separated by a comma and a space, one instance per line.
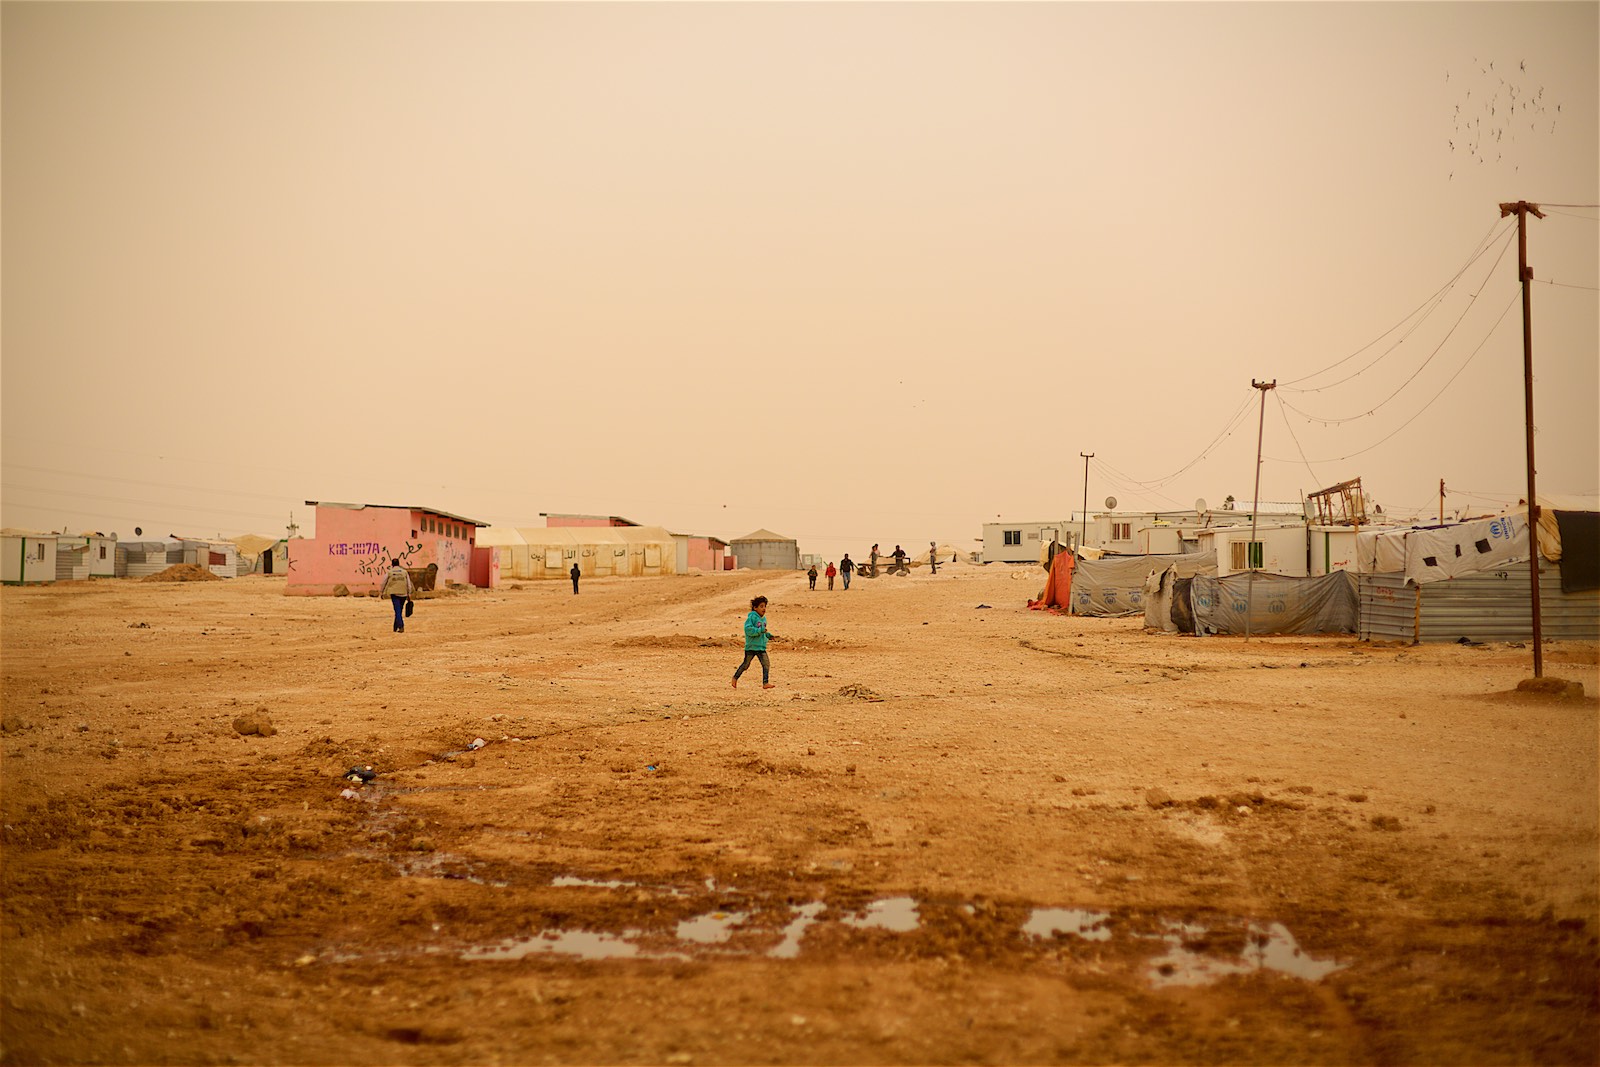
[854, 272]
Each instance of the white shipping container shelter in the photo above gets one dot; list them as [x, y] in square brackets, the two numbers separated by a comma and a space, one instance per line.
[1018, 542]
[27, 557]
[1282, 549]
[534, 553]
[80, 557]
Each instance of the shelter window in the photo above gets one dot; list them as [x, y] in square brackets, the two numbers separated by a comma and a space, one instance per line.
[102, 551]
[1122, 531]
[41, 550]
[1246, 554]
[1013, 537]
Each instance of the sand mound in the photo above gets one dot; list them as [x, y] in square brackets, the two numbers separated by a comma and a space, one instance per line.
[183, 572]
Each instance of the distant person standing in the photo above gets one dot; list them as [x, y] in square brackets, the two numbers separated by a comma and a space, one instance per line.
[812, 574]
[830, 572]
[933, 556]
[899, 558]
[847, 567]
[872, 572]
[755, 643]
[575, 574]
[398, 588]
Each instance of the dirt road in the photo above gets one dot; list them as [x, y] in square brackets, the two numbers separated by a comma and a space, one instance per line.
[956, 831]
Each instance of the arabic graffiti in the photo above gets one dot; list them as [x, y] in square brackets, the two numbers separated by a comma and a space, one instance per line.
[378, 562]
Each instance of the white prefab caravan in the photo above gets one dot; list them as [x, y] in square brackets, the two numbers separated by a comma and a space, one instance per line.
[1018, 542]
[85, 556]
[27, 557]
[1277, 549]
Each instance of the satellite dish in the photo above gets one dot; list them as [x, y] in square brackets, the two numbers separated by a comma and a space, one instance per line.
[1200, 503]
[1111, 501]
[138, 531]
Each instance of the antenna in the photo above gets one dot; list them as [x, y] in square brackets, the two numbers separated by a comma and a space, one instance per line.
[293, 529]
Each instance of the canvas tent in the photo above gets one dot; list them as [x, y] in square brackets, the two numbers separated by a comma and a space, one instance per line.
[1114, 586]
[532, 553]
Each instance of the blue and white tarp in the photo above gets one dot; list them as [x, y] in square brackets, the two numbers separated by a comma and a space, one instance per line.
[1274, 604]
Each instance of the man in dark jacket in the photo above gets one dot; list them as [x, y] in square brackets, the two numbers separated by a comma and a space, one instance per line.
[575, 572]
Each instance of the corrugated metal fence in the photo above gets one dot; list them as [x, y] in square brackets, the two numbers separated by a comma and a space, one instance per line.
[1480, 607]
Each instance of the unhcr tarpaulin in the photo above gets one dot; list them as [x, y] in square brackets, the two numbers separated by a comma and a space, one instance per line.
[1276, 604]
[1114, 585]
[1440, 553]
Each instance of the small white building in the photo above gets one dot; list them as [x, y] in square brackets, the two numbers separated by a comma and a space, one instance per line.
[1019, 542]
[27, 557]
[765, 550]
[85, 556]
[1277, 549]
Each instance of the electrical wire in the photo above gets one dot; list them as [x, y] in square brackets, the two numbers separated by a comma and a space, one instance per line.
[1283, 412]
[1337, 459]
[1356, 374]
[1227, 429]
[1436, 348]
[1570, 215]
[1119, 480]
[1434, 299]
[1568, 285]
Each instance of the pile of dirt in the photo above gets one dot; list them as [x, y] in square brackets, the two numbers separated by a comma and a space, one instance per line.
[183, 572]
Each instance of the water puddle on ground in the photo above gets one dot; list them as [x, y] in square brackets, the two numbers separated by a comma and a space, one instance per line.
[896, 913]
[1267, 948]
[585, 944]
[713, 928]
[1189, 953]
[1089, 925]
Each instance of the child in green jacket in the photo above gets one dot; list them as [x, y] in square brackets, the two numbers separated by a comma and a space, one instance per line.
[755, 642]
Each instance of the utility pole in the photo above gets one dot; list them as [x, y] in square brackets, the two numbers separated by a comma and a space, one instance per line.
[1255, 506]
[1087, 456]
[1441, 501]
[1522, 209]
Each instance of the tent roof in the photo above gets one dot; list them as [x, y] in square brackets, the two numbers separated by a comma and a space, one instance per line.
[761, 535]
[253, 544]
[564, 536]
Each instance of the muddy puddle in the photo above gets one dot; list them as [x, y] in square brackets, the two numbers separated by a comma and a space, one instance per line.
[1175, 953]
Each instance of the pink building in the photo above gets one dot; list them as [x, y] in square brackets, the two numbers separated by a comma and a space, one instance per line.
[702, 552]
[355, 542]
[557, 518]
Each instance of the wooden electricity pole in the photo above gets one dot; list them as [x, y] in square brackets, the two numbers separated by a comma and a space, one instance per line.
[1522, 209]
[1255, 506]
[1087, 456]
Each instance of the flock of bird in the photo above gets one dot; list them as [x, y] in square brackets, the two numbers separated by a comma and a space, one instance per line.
[1511, 107]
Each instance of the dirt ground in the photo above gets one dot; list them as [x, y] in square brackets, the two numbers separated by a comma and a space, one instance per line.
[957, 831]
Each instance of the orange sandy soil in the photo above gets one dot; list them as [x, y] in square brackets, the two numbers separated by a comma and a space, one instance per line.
[1283, 851]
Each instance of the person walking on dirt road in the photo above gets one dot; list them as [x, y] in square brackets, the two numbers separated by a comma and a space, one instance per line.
[398, 588]
[812, 575]
[755, 643]
[847, 567]
[933, 557]
[830, 572]
[575, 573]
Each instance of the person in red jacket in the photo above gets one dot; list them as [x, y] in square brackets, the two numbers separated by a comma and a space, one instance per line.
[830, 572]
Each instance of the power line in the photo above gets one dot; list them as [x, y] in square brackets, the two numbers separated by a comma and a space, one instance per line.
[1436, 348]
[1356, 374]
[1285, 415]
[1337, 459]
[1483, 245]
[1570, 215]
[1568, 285]
[1227, 429]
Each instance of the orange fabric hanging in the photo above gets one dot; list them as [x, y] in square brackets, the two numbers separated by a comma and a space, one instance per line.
[1058, 586]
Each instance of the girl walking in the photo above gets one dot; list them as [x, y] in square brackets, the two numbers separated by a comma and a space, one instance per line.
[755, 642]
